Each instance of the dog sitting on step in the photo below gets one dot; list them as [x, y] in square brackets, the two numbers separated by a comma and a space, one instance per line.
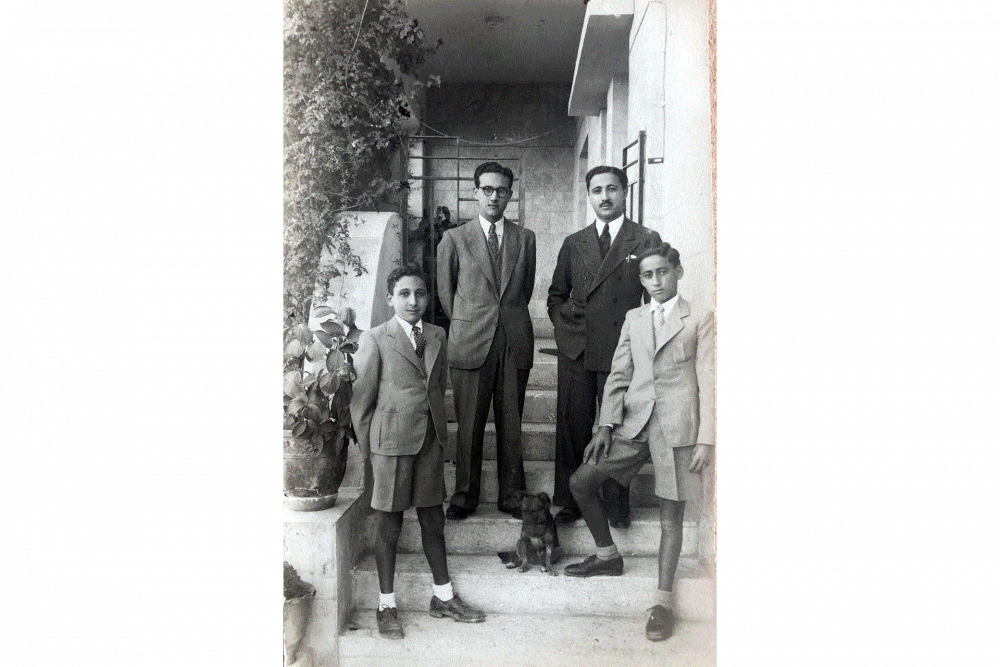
[539, 541]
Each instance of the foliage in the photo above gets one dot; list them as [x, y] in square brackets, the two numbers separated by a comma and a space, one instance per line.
[317, 394]
[294, 586]
[349, 86]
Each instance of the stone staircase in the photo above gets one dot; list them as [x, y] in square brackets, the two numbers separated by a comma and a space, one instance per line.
[534, 618]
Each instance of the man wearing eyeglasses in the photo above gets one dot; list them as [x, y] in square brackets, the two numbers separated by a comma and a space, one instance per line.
[596, 281]
[486, 273]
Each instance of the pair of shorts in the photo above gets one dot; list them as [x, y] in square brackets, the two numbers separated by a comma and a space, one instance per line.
[672, 479]
[401, 482]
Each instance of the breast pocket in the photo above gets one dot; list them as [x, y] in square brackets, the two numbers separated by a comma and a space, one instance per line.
[684, 350]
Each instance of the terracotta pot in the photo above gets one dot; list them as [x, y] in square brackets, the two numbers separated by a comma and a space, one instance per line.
[296, 612]
[313, 471]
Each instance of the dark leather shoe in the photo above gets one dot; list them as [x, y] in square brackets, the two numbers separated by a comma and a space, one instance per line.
[624, 522]
[660, 624]
[568, 515]
[513, 511]
[456, 609]
[388, 623]
[456, 513]
[594, 566]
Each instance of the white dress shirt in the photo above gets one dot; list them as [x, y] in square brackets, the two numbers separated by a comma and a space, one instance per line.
[613, 226]
[408, 328]
[485, 224]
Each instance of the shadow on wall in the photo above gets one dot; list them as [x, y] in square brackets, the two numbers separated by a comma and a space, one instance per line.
[376, 238]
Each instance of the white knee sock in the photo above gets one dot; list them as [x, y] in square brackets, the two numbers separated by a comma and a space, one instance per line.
[607, 553]
[444, 592]
[386, 600]
[664, 599]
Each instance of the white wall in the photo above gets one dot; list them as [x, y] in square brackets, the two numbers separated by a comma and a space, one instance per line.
[669, 99]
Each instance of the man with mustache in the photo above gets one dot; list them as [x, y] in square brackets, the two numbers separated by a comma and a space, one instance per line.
[596, 281]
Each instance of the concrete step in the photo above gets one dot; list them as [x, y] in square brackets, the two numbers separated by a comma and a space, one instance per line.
[538, 441]
[539, 406]
[540, 476]
[489, 530]
[524, 640]
[543, 326]
[484, 582]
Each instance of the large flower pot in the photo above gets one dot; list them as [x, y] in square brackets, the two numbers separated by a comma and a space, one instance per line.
[296, 612]
[313, 472]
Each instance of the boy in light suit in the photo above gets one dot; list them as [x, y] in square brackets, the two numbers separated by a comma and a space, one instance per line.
[659, 406]
[399, 417]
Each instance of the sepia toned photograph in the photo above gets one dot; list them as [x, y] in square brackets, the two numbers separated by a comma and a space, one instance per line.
[499, 332]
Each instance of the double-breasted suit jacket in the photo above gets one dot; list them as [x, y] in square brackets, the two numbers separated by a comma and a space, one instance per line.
[473, 301]
[672, 381]
[395, 390]
[589, 296]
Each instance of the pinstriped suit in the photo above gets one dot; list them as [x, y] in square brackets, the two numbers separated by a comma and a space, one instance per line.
[587, 303]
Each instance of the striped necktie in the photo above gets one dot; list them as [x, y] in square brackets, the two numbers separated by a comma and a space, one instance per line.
[419, 341]
[494, 245]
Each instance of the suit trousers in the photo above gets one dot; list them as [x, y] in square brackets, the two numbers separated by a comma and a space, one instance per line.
[579, 392]
[498, 381]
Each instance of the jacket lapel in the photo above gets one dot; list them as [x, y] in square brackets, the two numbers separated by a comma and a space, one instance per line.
[508, 251]
[403, 345]
[476, 242]
[674, 323]
[432, 349]
[620, 248]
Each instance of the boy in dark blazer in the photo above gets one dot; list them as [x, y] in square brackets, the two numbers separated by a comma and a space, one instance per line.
[398, 414]
[659, 406]
[486, 273]
[596, 281]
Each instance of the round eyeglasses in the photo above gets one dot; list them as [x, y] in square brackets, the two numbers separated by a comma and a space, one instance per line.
[488, 190]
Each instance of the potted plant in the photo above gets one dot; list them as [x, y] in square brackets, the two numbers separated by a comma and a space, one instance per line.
[317, 398]
[350, 97]
[298, 596]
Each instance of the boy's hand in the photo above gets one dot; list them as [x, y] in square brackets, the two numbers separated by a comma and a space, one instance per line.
[702, 457]
[600, 445]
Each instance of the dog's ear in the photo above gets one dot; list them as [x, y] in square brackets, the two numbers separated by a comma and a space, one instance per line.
[544, 499]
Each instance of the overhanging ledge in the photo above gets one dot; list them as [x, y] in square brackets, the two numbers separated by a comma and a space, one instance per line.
[602, 54]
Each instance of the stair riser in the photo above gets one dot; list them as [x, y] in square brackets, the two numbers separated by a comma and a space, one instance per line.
[539, 406]
[465, 537]
[535, 445]
[509, 592]
[543, 479]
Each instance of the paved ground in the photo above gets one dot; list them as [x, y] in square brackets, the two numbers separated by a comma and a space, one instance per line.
[525, 640]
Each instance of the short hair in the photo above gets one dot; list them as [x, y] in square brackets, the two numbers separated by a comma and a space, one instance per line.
[407, 269]
[605, 169]
[663, 250]
[495, 168]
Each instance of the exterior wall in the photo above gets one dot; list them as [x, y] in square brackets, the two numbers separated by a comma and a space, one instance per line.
[666, 94]
[669, 99]
[495, 114]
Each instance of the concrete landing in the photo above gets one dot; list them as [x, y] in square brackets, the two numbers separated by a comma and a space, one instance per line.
[483, 581]
[525, 640]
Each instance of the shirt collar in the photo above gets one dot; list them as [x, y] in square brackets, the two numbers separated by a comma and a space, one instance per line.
[407, 327]
[668, 305]
[485, 224]
[613, 226]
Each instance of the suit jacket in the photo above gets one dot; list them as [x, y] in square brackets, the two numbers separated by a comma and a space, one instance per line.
[678, 376]
[395, 390]
[588, 297]
[473, 301]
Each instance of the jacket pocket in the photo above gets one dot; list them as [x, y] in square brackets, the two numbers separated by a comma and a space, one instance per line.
[684, 351]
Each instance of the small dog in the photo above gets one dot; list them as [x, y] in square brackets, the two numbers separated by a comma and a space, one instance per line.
[539, 541]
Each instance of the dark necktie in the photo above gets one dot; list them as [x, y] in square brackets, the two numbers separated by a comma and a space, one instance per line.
[605, 240]
[420, 341]
[494, 245]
